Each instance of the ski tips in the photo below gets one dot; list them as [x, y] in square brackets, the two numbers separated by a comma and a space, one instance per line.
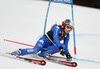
[5, 39]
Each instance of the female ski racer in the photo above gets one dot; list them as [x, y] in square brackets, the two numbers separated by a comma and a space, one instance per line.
[51, 40]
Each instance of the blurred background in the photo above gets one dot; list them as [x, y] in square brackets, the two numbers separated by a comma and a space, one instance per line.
[88, 3]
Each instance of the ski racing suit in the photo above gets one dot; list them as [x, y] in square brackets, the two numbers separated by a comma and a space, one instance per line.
[51, 40]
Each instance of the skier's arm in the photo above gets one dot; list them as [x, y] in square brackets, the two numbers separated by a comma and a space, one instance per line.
[66, 44]
[56, 30]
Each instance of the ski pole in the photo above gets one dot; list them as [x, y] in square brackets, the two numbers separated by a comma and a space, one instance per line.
[30, 45]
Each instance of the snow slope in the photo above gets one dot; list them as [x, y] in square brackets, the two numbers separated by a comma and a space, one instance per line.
[23, 21]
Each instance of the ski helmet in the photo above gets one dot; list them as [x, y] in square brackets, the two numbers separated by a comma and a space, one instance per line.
[66, 22]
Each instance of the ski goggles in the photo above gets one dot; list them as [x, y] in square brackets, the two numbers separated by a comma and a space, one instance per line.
[69, 27]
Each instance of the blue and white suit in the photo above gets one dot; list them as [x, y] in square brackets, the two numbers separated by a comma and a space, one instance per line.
[51, 40]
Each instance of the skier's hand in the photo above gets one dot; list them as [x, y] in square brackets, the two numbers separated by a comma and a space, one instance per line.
[62, 51]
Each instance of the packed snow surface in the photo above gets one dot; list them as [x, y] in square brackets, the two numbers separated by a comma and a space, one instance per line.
[23, 21]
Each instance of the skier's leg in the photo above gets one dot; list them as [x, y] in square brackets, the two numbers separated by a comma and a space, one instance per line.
[47, 52]
[53, 47]
[27, 51]
[42, 42]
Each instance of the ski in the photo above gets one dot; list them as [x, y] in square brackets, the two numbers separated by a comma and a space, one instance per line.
[71, 64]
[54, 60]
[74, 64]
[35, 61]
[40, 62]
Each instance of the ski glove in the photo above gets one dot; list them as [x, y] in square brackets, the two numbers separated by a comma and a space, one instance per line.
[62, 51]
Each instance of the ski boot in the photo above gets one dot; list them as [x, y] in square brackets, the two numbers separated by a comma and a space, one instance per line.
[68, 57]
[44, 54]
[17, 53]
